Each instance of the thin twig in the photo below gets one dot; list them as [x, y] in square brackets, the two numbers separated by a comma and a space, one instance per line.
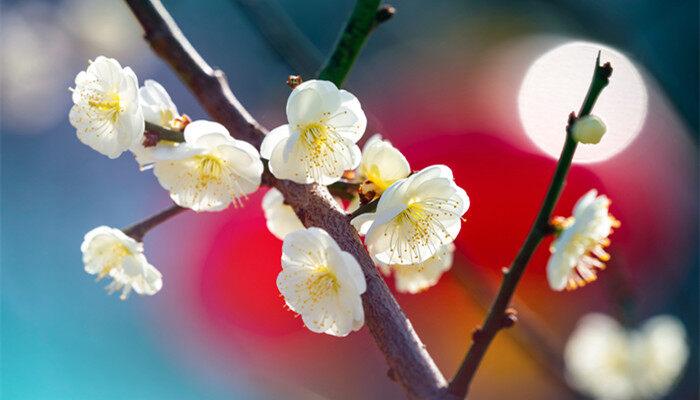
[365, 208]
[343, 189]
[406, 355]
[165, 133]
[139, 229]
[496, 317]
[354, 36]
[531, 332]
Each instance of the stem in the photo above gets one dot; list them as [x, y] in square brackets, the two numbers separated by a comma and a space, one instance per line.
[165, 133]
[344, 189]
[139, 229]
[354, 36]
[495, 319]
[363, 209]
[532, 336]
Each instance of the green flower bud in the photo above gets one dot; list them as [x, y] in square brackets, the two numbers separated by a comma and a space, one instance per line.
[589, 129]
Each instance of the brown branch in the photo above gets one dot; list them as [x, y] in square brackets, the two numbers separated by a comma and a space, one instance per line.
[497, 317]
[408, 360]
[166, 40]
[139, 229]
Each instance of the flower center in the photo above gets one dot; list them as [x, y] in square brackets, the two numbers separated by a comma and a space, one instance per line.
[209, 168]
[420, 226]
[589, 252]
[115, 255]
[315, 136]
[108, 103]
[373, 174]
[321, 283]
[319, 142]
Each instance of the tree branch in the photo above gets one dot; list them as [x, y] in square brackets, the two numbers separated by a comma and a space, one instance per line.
[410, 363]
[496, 317]
[166, 40]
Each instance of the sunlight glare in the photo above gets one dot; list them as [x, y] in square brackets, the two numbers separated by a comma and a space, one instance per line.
[556, 83]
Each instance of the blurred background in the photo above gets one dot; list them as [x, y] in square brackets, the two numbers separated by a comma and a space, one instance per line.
[442, 80]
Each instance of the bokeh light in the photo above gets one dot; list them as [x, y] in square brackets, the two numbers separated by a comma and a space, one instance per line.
[555, 85]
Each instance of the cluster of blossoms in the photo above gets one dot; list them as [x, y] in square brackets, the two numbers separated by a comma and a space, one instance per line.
[417, 217]
[410, 233]
[607, 361]
[207, 171]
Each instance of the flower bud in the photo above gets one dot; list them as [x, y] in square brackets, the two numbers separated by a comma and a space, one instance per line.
[589, 129]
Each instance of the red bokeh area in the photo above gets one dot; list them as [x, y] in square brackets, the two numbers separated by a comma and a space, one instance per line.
[238, 280]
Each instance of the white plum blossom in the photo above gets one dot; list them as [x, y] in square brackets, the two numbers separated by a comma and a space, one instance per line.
[578, 249]
[609, 362]
[415, 217]
[319, 142]
[416, 278]
[106, 111]
[279, 216]
[381, 165]
[321, 282]
[110, 252]
[210, 169]
[158, 109]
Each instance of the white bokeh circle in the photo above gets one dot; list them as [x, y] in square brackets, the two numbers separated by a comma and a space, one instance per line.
[556, 84]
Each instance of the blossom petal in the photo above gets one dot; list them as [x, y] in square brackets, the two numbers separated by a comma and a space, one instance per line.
[273, 139]
[310, 100]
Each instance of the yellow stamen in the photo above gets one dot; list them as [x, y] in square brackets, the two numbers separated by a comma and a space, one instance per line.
[209, 168]
[109, 103]
[117, 254]
[319, 284]
[374, 175]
